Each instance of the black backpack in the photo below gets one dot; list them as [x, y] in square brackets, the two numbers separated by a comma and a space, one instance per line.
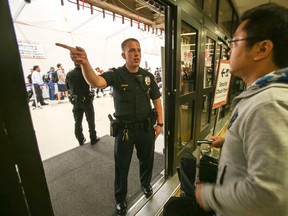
[46, 77]
[29, 77]
[55, 78]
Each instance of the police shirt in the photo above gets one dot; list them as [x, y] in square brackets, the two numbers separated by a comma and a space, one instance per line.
[130, 92]
[76, 84]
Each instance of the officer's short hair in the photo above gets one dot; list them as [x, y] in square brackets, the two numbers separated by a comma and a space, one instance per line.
[124, 43]
[35, 67]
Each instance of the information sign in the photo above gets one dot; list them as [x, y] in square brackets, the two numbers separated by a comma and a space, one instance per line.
[223, 84]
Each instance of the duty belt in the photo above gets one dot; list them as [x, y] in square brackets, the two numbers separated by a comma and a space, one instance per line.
[81, 98]
[137, 125]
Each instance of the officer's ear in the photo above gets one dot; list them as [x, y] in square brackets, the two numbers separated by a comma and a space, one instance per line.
[123, 55]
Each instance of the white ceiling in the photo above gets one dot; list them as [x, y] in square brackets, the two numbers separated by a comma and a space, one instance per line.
[51, 15]
[243, 5]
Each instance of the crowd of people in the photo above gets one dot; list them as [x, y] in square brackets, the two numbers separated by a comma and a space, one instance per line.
[54, 81]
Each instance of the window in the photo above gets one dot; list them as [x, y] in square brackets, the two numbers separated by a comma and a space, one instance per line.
[188, 58]
[225, 16]
[205, 115]
[186, 123]
[209, 63]
[210, 7]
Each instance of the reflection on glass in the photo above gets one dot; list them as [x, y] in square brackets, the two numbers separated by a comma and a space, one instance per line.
[198, 2]
[188, 58]
[225, 15]
[210, 7]
[185, 123]
[206, 104]
[209, 63]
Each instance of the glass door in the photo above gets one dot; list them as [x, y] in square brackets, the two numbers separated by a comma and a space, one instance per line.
[186, 76]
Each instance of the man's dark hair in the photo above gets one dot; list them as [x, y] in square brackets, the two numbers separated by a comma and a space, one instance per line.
[35, 67]
[124, 43]
[58, 65]
[269, 22]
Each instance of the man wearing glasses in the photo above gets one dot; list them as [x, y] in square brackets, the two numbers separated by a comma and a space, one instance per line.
[253, 170]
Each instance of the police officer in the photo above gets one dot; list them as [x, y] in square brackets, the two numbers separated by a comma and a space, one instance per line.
[82, 100]
[133, 89]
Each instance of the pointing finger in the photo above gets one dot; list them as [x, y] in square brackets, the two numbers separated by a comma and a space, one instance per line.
[65, 46]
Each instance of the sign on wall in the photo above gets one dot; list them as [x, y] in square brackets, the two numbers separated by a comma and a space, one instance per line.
[222, 85]
[30, 49]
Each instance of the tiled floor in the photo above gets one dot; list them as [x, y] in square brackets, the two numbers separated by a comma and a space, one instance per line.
[54, 125]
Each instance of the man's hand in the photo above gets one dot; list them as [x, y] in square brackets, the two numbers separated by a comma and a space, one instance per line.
[217, 141]
[77, 54]
[198, 196]
[158, 130]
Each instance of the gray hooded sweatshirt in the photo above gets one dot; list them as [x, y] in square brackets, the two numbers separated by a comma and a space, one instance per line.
[253, 170]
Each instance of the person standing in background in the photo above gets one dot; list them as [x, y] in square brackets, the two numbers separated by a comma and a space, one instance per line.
[51, 84]
[61, 83]
[37, 83]
[82, 100]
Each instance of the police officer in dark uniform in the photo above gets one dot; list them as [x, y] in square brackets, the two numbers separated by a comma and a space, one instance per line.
[133, 90]
[82, 99]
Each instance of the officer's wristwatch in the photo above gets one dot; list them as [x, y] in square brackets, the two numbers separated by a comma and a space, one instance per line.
[160, 124]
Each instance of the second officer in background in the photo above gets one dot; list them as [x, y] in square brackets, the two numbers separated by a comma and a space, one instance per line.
[82, 100]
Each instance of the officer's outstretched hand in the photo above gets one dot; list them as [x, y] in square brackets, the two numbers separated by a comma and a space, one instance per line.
[77, 54]
[158, 130]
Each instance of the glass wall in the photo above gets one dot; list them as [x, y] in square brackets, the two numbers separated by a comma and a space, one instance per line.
[198, 2]
[210, 8]
[225, 15]
[205, 115]
[209, 63]
[186, 120]
[188, 58]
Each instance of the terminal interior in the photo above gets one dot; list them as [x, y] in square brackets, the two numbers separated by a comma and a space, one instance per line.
[41, 24]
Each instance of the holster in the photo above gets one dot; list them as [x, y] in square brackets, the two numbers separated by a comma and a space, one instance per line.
[114, 126]
[72, 99]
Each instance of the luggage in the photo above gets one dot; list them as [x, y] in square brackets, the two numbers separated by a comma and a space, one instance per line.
[184, 206]
[189, 174]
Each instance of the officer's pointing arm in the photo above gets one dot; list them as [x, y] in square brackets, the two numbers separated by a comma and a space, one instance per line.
[79, 56]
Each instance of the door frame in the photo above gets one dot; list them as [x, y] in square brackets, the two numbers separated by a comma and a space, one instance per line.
[24, 189]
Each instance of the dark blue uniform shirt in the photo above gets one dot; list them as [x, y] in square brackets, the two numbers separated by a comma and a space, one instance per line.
[129, 91]
[76, 84]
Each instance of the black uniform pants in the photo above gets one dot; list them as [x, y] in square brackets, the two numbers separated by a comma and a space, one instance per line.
[79, 108]
[144, 141]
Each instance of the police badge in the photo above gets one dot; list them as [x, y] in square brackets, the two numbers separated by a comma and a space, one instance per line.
[147, 80]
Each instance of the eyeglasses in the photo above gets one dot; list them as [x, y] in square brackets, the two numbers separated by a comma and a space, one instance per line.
[231, 43]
